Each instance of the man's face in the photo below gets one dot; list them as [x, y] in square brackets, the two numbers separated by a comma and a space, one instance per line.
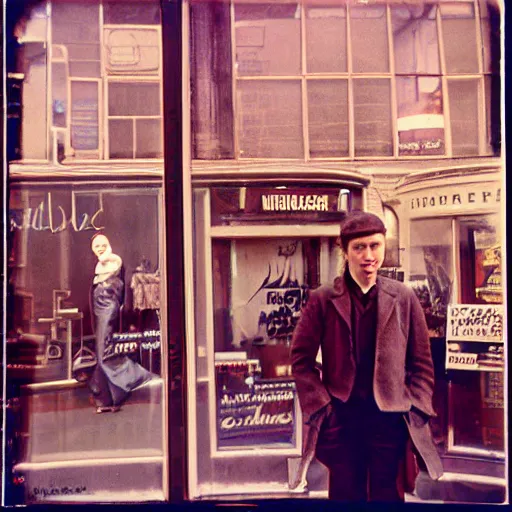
[99, 245]
[365, 256]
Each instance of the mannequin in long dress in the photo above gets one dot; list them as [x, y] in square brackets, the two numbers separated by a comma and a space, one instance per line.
[115, 377]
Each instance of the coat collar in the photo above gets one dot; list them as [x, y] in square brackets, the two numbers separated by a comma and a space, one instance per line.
[386, 298]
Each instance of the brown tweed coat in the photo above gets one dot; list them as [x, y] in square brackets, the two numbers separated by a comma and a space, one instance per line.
[403, 375]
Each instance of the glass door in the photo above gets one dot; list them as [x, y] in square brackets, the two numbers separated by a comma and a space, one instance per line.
[250, 284]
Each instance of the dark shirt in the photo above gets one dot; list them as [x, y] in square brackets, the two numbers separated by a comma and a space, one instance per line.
[364, 331]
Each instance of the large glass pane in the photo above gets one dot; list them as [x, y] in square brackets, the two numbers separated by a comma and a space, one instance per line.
[420, 121]
[267, 39]
[370, 48]
[465, 116]
[372, 116]
[415, 39]
[459, 37]
[62, 302]
[270, 119]
[326, 39]
[134, 98]
[431, 269]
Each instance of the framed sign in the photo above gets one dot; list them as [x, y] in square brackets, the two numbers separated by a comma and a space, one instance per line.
[475, 322]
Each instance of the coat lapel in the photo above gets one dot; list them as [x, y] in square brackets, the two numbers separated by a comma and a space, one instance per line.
[341, 301]
[386, 301]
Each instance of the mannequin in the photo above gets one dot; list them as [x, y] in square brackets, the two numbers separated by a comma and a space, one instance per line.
[113, 379]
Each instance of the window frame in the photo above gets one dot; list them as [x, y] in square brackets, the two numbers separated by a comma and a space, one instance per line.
[350, 76]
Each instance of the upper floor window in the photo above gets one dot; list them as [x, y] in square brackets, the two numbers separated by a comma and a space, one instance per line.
[396, 79]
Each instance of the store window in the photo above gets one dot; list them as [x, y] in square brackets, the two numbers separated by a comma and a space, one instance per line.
[481, 383]
[460, 289]
[84, 343]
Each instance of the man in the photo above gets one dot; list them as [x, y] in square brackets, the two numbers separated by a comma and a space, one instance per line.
[374, 393]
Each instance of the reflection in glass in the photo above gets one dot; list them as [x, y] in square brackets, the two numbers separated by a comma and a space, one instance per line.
[415, 38]
[270, 119]
[372, 116]
[326, 40]
[52, 316]
[267, 39]
[420, 121]
[328, 118]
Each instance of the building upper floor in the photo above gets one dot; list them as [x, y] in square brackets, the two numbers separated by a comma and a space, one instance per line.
[303, 81]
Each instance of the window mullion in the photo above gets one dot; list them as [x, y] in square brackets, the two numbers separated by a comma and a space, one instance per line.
[234, 86]
[444, 82]
[482, 114]
[304, 95]
[394, 108]
[350, 99]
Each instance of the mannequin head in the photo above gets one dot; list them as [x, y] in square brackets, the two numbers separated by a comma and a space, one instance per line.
[100, 246]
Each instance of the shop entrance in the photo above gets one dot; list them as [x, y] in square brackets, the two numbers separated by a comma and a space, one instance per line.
[251, 279]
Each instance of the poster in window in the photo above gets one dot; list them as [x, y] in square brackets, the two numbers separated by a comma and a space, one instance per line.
[252, 411]
[488, 267]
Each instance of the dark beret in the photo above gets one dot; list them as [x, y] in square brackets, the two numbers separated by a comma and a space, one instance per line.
[358, 224]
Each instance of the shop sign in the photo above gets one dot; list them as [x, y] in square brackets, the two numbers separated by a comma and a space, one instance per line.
[294, 200]
[50, 215]
[294, 203]
[461, 361]
[251, 411]
[470, 322]
[455, 199]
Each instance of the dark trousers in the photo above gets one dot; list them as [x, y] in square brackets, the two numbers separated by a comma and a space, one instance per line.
[363, 449]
